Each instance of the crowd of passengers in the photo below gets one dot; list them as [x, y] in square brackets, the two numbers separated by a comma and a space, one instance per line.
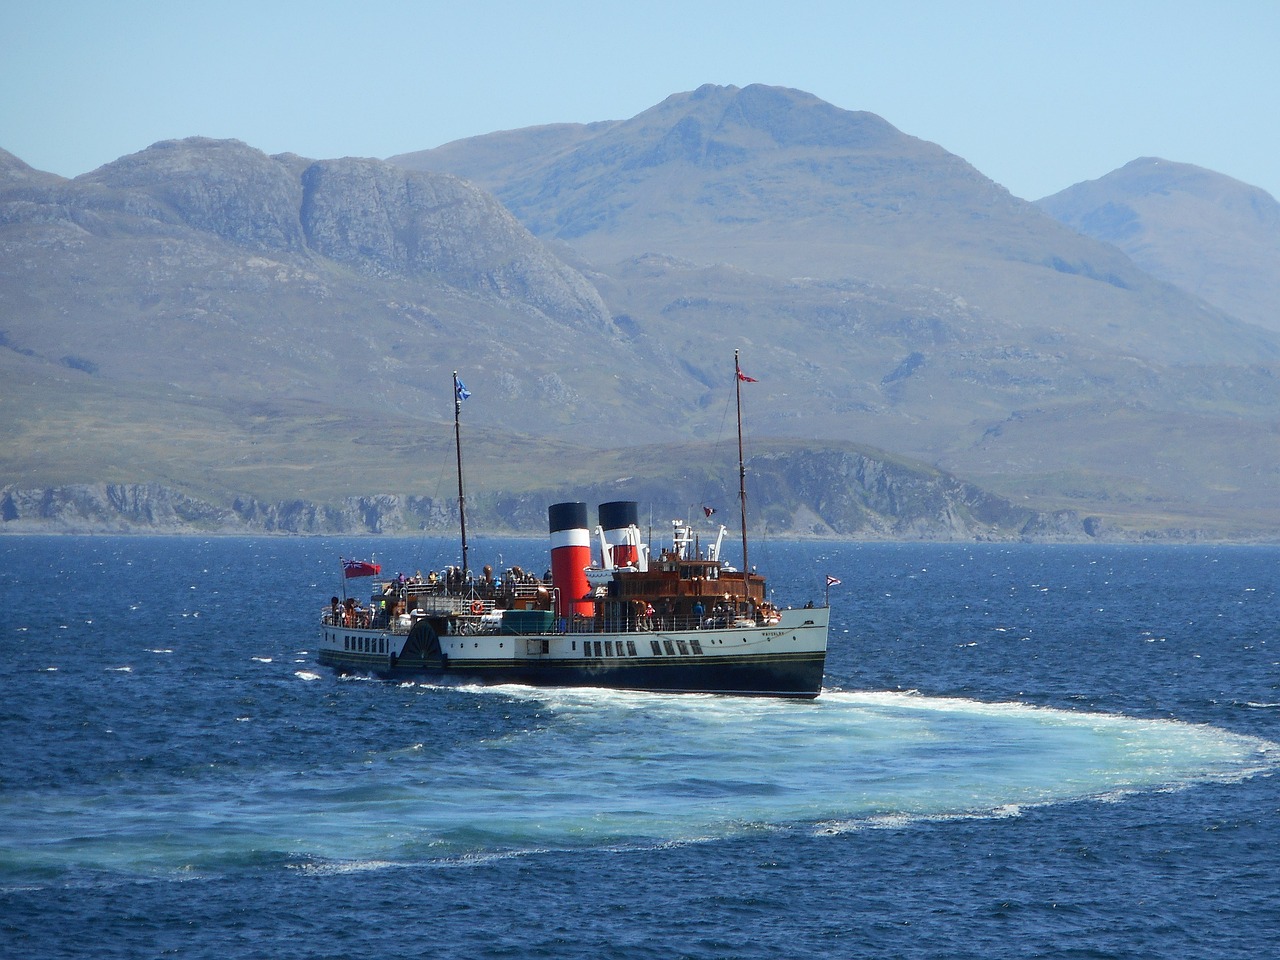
[636, 615]
[398, 595]
[452, 581]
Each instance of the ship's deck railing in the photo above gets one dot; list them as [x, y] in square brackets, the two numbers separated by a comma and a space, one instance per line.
[486, 589]
[655, 623]
[461, 606]
[363, 620]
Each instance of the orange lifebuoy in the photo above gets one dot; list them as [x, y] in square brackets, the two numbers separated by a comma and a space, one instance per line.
[477, 607]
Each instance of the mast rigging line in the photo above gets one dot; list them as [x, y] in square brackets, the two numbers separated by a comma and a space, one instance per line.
[458, 391]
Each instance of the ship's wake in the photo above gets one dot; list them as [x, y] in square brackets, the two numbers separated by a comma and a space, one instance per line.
[594, 769]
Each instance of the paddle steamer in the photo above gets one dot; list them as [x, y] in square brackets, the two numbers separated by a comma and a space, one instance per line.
[609, 612]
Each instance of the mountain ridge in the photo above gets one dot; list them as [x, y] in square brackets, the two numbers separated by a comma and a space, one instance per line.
[231, 325]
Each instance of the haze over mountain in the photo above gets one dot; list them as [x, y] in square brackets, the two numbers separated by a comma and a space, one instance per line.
[1211, 235]
[1030, 357]
[780, 183]
[250, 330]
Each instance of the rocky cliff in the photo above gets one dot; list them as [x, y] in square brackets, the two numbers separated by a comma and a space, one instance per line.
[834, 493]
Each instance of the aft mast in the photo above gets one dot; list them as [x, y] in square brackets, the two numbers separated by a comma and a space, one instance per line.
[460, 393]
[742, 472]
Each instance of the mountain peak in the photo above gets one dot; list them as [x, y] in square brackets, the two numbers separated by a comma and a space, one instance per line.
[1209, 234]
[223, 186]
[1155, 176]
[785, 117]
[17, 173]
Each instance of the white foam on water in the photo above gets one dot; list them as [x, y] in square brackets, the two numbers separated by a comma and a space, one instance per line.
[611, 770]
[332, 867]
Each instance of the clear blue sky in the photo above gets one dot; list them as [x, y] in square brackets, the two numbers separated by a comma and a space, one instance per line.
[1037, 95]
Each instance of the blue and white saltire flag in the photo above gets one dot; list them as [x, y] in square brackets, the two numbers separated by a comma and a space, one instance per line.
[463, 392]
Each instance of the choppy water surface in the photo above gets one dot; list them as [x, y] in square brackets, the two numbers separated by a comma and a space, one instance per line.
[1067, 750]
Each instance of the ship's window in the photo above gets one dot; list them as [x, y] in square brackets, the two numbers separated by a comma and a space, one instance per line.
[586, 648]
[597, 643]
[684, 648]
[697, 646]
[657, 650]
[631, 648]
[671, 651]
[572, 646]
[608, 648]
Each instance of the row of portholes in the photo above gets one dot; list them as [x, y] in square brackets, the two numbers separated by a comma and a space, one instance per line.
[670, 650]
[365, 644]
[605, 648]
[610, 648]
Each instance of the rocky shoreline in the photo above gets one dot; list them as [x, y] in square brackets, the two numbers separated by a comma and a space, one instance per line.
[154, 509]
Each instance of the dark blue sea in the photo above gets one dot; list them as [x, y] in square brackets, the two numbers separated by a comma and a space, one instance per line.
[1020, 751]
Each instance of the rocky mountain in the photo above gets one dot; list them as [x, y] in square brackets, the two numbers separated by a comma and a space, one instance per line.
[200, 330]
[782, 184]
[1213, 236]
[901, 298]
[205, 269]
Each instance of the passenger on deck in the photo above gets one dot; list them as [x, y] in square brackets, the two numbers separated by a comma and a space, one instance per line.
[667, 620]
